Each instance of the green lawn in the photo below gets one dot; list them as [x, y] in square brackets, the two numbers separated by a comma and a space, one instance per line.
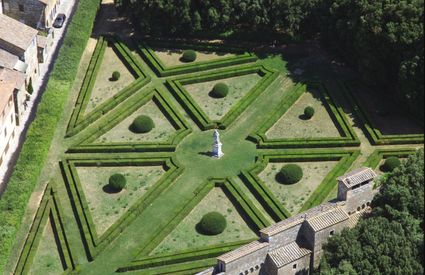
[164, 219]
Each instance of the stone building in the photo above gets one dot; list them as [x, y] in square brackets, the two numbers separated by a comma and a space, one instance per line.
[7, 119]
[21, 41]
[38, 14]
[294, 246]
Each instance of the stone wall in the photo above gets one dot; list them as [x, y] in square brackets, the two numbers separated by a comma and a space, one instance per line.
[29, 12]
[253, 263]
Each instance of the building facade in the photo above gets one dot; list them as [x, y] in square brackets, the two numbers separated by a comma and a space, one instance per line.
[294, 246]
[38, 14]
[7, 120]
[21, 41]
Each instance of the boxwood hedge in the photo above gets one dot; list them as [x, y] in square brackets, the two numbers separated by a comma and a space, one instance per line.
[14, 201]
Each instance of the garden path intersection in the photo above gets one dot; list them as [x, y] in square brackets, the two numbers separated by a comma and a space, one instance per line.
[179, 175]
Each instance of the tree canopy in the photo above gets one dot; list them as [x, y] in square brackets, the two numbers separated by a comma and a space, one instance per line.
[382, 39]
[391, 239]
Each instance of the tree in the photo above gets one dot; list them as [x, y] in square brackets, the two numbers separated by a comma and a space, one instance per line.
[391, 239]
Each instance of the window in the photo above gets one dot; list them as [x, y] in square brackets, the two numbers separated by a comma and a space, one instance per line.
[332, 233]
[21, 8]
[294, 266]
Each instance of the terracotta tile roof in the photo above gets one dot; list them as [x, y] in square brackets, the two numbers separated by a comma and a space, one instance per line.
[296, 220]
[355, 217]
[358, 176]
[327, 219]
[11, 76]
[16, 33]
[242, 251]
[287, 254]
[7, 59]
[6, 90]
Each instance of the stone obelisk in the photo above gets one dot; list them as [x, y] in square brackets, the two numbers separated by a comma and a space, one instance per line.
[216, 151]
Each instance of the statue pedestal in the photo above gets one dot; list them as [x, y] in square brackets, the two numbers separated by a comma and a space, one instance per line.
[217, 145]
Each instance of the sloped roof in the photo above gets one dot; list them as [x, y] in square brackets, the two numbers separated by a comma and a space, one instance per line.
[17, 79]
[327, 219]
[287, 254]
[298, 219]
[358, 176]
[6, 90]
[7, 59]
[16, 33]
[242, 251]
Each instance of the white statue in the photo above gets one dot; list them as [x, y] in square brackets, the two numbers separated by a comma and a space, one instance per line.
[217, 152]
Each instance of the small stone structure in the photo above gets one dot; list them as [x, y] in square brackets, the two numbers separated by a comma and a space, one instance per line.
[294, 246]
[217, 151]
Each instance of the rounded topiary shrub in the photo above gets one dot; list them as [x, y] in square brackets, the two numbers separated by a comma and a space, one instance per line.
[290, 174]
[309, 112]
[212, 224]
[117, 182]
[115, 76]
[142, 125]
[189, 56]
[390, 164]
[220, 90]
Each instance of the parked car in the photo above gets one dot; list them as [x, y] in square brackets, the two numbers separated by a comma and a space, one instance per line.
[60, 19]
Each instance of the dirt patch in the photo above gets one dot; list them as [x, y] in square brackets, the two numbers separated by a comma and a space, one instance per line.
[292, 124]
[217, 108]
[294, 196]
[185, 235]
[107, 208]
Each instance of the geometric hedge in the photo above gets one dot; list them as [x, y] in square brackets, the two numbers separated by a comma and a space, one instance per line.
[269, 201]
[87, 144]
[92, 241]
[79, 120]
[193, 260]
[176, 86]
[49, 210]
[373, 133]
[335, 110]
[163, 71]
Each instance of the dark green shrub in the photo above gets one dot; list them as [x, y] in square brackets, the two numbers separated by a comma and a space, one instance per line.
[220, 90]
[30, 87]
[117, 182]
[309, 112]
[290, 174]
[115, 76]
[390, 164]
[189, 56]
[212, 224]
[142, 125]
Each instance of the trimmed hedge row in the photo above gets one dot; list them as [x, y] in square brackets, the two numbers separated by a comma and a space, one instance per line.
[234, 193]
[374, 134]
[210, 252]
[86, 142]
[348, 135]
[94, 243]
[375, 158]
[13, 202]
[79, 120]
[272, 205]
[163, 71]
[176, 86]
[328, 184]
[49, 208]
[180, 268]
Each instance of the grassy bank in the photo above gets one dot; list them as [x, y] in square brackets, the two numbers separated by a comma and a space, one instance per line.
[14, 201]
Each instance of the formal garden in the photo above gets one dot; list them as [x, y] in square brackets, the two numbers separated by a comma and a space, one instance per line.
[129, 184]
